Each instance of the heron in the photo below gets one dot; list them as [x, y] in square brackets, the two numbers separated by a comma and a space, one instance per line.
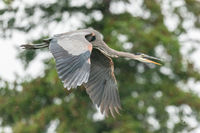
[83, 58]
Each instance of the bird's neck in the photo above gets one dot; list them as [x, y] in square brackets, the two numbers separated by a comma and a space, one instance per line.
[114, 53]
[108, 52]
[125, 54]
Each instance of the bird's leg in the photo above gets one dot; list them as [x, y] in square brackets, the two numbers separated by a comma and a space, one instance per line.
[34, 46]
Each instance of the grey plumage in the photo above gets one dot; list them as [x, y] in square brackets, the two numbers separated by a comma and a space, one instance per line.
[102, 86]
[83, 58]
[73, 70]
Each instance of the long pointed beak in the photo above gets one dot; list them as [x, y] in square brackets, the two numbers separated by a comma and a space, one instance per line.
[151, 59]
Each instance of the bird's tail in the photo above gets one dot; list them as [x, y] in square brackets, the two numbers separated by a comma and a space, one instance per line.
[36, 46]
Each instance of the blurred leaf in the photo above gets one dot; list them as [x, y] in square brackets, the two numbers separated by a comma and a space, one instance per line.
[8, 1]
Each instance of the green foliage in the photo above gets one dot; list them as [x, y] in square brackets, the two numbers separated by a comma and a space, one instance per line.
[8, 1]
[141, 86]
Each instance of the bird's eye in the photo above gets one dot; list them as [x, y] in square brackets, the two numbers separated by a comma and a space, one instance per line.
[90, 37]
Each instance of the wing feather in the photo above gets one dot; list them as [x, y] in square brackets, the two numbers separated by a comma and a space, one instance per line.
[102, 86]
[72, 52]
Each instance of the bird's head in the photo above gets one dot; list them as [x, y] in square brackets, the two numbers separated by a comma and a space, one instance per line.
[94, 37]
[149, 59]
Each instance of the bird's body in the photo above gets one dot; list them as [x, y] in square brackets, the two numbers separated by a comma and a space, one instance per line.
[83, 58]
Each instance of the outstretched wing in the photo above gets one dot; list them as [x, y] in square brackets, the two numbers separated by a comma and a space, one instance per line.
[102, 85]
[72, 54]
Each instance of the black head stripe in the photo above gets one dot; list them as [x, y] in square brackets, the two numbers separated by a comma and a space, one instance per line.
[90, 37]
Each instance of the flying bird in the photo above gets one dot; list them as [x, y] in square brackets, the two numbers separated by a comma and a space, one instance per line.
[83, 58]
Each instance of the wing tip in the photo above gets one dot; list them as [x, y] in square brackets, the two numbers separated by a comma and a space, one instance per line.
[111, 110]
